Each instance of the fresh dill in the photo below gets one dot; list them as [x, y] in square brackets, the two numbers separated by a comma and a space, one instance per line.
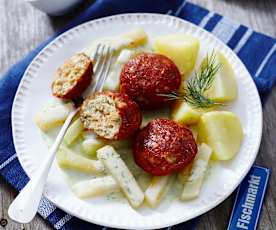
[194, 91]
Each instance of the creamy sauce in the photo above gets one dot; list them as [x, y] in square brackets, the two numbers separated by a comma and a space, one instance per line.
[143, 178]
[72, 177]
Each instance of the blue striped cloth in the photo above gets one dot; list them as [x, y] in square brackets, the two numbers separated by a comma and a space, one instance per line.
[256, 50]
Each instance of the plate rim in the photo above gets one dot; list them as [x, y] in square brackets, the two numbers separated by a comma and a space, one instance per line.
[133, 16]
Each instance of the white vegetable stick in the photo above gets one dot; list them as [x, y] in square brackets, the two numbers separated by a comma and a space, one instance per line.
[183, 176]
[156, 189]
[112, 82]
[185, 173]
[136, 37]
[53, 116]
[124, 56]
[118, 169]
[133, 38]
[95, 187]
[69, 160]
[144, 180]
[73, 132]
[86, 134]
[91, 145]
[193, 186]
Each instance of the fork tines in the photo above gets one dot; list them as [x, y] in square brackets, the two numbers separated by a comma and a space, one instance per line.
[103, 56]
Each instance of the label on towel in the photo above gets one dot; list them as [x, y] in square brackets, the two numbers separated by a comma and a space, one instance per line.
[249, 200]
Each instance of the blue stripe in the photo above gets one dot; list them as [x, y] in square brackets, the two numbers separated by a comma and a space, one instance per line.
[180, 8]
[250, 53]
[270, 67]
[56, 215]
[213, 22]
[267, 77]
[192, 13]
[237, 36]
[15, 174]
[255, 50]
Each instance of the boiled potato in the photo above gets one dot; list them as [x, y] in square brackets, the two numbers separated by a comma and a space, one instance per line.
[185, 114]
[181, 48]
[224, 86]
[222, 131]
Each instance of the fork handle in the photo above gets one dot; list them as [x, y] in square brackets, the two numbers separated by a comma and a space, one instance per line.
[24, 207]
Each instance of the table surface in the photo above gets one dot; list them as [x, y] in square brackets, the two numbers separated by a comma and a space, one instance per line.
[22, 28]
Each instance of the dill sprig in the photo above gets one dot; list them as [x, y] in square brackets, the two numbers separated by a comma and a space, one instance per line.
[194, 91]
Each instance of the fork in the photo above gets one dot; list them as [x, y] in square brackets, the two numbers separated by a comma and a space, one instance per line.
[24, 207]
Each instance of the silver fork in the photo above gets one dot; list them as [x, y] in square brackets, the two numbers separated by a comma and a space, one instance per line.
[25, 205]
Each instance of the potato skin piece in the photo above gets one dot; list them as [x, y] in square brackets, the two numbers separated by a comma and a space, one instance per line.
[81, 81]
[129, 112]
[147, 75]
[164, 147]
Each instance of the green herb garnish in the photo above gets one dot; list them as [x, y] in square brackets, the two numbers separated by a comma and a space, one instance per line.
[194, 92]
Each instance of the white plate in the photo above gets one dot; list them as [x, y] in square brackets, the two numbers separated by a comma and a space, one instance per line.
[34, 92]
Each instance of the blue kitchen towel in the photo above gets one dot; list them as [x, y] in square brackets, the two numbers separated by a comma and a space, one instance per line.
[256, 50]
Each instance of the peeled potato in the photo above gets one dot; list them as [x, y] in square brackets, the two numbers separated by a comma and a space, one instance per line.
[185, 114]
[181, 48]
[224, 86]
[222, 131]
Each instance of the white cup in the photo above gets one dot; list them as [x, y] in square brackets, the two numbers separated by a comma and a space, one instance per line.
[54, 7]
